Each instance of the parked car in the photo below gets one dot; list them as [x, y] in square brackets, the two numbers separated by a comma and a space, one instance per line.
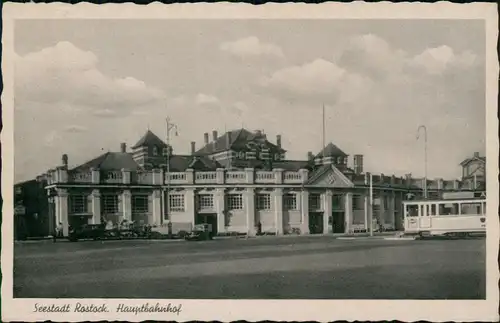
[200, 232]
[87, 231]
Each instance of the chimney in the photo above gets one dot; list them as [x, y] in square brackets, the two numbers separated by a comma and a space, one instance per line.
[123, 147]
[476, 154]
[310, 155]
[65, 160]
[214, 135]
[278, 141]
[358, 164]
[206, 138]
[193, 147]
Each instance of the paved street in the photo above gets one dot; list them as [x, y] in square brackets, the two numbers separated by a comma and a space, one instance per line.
[297, 267]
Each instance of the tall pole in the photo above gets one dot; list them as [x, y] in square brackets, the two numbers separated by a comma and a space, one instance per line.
[324, 128]
[170, 127]
[425, 156]
[371, 204]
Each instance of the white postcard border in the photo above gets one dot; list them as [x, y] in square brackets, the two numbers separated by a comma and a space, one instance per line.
[276, 310]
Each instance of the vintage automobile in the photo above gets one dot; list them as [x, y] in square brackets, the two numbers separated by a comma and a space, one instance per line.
[87, 231]
[200, 232]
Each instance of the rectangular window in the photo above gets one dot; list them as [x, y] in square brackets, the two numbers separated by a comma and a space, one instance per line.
[315, 202]
[358, 202]
[140, 204]
[205, 201]
[78, 204]
[431, 209]
[412, 210]
[470, 208]
[235, 202]
[263, 201]
[109, 204]
[448, 209]
[290, 201]
[176, 202]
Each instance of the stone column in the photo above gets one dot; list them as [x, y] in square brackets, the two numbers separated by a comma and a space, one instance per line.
[190, 206]
[156, 211]
[63, 210]
[328, 210]
[304, 212]
[249, 206]
[126, 176]
[348, 212]
[96, 175]
[220, 207]
[127, 205]
[277, 196]
[249, 175]
[96, 207]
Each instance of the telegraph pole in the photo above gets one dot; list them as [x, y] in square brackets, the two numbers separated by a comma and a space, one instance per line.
[424, 128]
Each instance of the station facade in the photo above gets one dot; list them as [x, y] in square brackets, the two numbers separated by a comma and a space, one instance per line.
[239, 182]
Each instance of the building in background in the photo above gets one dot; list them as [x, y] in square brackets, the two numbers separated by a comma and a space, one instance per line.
[32, 217]
[235, 182]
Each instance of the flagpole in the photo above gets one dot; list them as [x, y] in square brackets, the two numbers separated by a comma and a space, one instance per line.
[324, 131]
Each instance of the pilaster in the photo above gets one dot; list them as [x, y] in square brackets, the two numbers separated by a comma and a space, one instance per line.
[156, 211]
[157, 176]
[392, 208]
[348, 212]
[367, 212]
[304, 211]
[277, 196]
[328, 210]
[127, 205]
[190, 206]
[63, 209]
[190, 176]
[249, 205]
[96, 207]
[249, 175]
[278, 176]
[220, 207]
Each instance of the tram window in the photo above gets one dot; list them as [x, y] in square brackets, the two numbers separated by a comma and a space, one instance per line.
[431, 209]
[412, 210]
[470, 208]
[448, 209]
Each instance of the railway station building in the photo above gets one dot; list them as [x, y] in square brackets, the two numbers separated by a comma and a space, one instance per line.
[239, 182]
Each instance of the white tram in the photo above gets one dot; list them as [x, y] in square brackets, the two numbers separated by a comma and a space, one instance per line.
[445, 217]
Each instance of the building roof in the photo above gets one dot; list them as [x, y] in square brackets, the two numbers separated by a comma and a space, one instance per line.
[234, 139]
[468, 160]
[330, 150]
[110, 161]
[292, 165]
[149, 139]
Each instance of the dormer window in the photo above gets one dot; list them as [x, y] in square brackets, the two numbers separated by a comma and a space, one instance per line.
[165, 151]
[339, 160]
[345, 160]
[155, 151]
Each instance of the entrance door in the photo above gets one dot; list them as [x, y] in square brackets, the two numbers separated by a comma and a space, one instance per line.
[315, 223]
[425, 219]
[210, 218]
[338, 225]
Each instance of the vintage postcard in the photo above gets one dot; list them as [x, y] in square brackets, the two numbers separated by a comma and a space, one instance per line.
[283, 162]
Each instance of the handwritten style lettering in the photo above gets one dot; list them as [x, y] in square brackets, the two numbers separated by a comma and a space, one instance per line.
[147, 308]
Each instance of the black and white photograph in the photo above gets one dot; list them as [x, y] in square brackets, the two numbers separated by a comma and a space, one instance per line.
[169, 155]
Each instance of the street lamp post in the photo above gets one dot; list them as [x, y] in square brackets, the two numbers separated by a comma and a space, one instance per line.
[424, 128]
[170, 126]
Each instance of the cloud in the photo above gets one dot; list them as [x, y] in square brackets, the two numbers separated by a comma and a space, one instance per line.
[75, 129]
[206, 99]
[68, 74]
[319, 79]
[252, 46]
[436, 61]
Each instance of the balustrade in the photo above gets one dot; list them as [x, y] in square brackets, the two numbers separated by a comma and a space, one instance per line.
[205, 177]
[235, 177]
[292, 177]
[264, 177]
[80, 177]
[112, 177]
[176, 178]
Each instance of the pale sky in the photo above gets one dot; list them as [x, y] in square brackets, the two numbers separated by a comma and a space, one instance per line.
[83, 87]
